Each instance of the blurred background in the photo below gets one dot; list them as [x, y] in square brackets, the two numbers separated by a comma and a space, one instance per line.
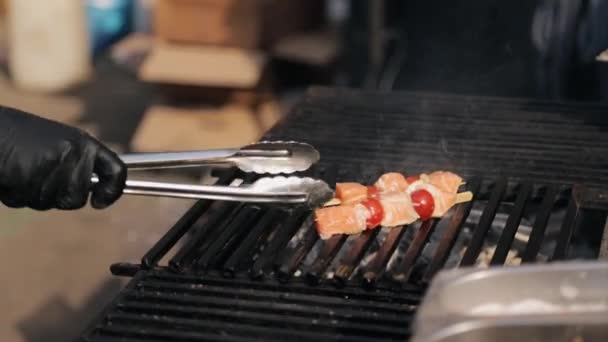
[162, 75]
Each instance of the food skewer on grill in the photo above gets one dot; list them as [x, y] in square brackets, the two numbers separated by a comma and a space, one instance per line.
[393, 200]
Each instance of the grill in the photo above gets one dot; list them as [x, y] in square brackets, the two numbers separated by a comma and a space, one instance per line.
[248, 272]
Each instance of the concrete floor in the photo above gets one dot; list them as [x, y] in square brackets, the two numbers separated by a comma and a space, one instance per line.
[55, 265]
[55, 270]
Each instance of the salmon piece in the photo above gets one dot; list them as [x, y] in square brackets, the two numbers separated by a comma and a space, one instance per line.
[351, 192]
[398, 209]
[342, 219]
[445, 181]
[391, 182]
[443, 200]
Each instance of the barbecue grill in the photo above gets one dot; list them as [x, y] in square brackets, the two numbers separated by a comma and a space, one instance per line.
[239, 272]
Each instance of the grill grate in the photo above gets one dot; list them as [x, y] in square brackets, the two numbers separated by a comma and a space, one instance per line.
[249, 272]
[160, 305]
[249, 241]
[558, 143]
[249, 277]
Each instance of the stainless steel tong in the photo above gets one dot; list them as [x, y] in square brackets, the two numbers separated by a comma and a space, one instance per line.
[268, 157]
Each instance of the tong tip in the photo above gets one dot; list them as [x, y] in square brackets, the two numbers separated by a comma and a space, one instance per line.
[316, 191]
[257, 157]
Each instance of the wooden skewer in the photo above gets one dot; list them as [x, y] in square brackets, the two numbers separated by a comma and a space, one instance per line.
[462, 197]
[332, 202]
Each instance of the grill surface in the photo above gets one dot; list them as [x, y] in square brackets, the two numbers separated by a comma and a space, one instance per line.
[543, 142]
[250, 272]
[168, 307]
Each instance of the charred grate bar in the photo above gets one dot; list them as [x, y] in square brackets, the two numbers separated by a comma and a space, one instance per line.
[246, 272]
[158, 305]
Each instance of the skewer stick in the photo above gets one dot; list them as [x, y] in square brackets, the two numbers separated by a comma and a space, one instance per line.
[462, 197]
[332, 202]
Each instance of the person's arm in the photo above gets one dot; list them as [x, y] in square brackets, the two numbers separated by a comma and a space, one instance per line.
[48, 165]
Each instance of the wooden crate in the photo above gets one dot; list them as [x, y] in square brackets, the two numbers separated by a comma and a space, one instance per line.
[250, 24]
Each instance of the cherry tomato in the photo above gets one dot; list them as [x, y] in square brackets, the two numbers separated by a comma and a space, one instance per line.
[372, 192]
[423, 202]
[376, 212]
[412, 179]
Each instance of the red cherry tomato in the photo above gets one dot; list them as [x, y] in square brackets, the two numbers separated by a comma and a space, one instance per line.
[376, 212]
[423, 202]
[372, 192]
[412, 179]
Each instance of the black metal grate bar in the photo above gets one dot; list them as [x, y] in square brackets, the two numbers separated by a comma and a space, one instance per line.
[485, 222]
[185, 255]
[233, 331]
[296, 251]
[208, 318]
[508, 234]
[279, 238]
[332, 246]
[565, 234]
[125, 269]
[592, 198]
[255, 305]
[360, 246]
[216, 231]
[125, 329]
[403, 272]
[540, 225]
[116, 335]
[183, 225]
[322, 296]
[235, 229]
[328, 252]
[375, 270]
[271, 295]
[353, 256]
[242, 258]
[449, 236]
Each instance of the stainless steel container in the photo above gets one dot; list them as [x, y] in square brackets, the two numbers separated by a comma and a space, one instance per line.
[565, 301]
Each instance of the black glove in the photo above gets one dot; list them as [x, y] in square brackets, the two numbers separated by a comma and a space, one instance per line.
[46, 165]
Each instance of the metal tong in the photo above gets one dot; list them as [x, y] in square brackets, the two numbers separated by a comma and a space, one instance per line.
[268, 157]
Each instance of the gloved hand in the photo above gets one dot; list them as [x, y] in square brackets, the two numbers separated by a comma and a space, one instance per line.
[45, 165]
